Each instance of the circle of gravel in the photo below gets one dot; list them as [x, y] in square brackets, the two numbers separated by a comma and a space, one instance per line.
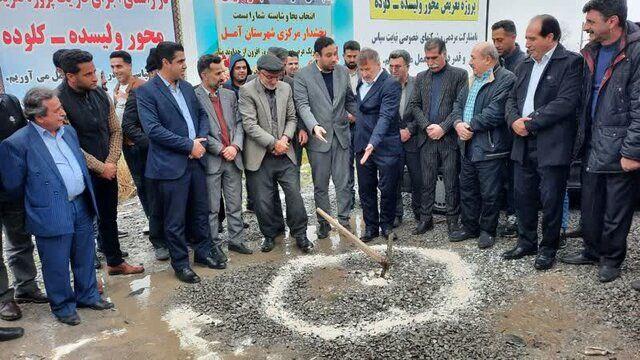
[456, 295]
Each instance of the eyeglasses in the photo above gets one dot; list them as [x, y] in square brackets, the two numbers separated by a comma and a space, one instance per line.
[270, 75]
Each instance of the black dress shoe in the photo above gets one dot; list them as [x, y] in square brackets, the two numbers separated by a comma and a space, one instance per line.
[267, 244]
[544, 262]
[218, 254]
[304, 244]
[461, 235]
[211, 263]
[36, 297]
[369, 235]
[10, 333]
[72, 320]
[240, 248]
[608, 273]
[188, 276]
[98, 305]
[579, 259]
[486, 240]
[518, 252]
[323, 230]
[397, 222]
[10, 311]
[423, 227]
[508, 230]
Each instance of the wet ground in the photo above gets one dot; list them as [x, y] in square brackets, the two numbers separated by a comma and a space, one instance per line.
[458, 302]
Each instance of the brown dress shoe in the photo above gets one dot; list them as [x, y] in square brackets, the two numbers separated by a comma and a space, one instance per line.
[124, 269]
[10, 311]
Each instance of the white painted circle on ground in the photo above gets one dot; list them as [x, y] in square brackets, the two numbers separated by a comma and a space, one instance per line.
[454, 296]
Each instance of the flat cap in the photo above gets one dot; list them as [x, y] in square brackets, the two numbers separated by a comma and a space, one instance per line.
[270, 63]
[279, 52]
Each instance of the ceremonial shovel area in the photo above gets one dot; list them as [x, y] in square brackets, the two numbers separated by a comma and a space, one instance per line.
[437, 301]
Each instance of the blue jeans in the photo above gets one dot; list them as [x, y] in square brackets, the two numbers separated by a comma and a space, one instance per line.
[565, 211]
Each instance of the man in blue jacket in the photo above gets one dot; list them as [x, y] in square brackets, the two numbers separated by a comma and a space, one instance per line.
[43, 163]
[177, 127]
[377, 144]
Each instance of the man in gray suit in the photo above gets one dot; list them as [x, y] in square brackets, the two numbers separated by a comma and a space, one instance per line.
[269, 121]
[323, 97]
[433, 97]
[223, 160]
[399, 62]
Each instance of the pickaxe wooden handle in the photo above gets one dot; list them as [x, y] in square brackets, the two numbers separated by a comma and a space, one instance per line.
[380, 259]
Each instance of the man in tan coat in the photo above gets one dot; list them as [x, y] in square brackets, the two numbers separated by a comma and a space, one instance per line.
[269, 122]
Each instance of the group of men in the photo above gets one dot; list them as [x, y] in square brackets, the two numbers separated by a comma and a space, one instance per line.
[506, 135]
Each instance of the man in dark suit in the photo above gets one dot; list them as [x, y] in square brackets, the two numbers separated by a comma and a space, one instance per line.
[42, 163]
[399, 62]
[478, 115]
[377, 144]
[350, 51]
[177, 127]
[435, 92]
[541, 112]
[503, 35]
[132, 130]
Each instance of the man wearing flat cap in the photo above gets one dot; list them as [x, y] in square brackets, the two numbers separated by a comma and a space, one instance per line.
[269, 122]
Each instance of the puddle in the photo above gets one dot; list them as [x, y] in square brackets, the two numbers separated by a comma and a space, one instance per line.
[141, 289]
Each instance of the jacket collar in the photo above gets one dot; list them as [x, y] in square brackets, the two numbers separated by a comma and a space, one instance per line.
[380, 78]
[559, 53]
[514, 53]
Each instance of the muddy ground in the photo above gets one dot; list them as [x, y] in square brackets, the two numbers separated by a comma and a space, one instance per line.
[513, 311]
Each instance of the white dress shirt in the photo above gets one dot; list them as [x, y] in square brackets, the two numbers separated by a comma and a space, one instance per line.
[534, 80]
[365, 87]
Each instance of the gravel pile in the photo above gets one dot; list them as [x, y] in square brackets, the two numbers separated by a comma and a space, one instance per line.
[348, 293]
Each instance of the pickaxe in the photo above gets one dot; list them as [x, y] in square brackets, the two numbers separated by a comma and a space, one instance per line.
[384, 261]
